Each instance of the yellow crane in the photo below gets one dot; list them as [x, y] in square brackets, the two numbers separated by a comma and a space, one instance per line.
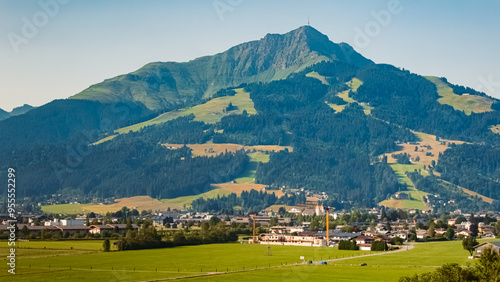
[327, 226]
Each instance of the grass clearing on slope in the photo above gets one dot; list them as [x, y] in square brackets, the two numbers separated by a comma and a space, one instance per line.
[213, 149]
[466, 103]
[426, 145]
[210, 112]
[417, 201]
[65, 208]
[248, 176]
[354, 84]
[315, 74]
[495, 128]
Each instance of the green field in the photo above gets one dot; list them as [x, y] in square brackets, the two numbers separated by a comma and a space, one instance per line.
[157, 263]
[465, 103]
[65, 208]
[417, 196]
[232, 262]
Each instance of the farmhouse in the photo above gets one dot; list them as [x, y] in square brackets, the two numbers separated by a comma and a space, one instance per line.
[100, 229]
[495, 246]
[421, 234]
[81, 230]
[336, 236]
[65, 222]
[364, 242]
[465, 233]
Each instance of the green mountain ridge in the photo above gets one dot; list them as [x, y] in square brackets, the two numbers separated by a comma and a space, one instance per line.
[336, 150]
[4, 114]
[16, 111]
[160, 85]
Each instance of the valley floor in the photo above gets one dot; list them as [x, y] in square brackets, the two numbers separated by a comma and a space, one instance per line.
[83, 261]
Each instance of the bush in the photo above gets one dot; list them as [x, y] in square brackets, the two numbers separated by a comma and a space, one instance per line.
[106, 246]
[379, 246]
[348, 245]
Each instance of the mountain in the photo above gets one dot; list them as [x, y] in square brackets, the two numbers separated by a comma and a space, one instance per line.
[358, 131]
[15, 112]
[21, 110]
[160, 85]
[4, 114]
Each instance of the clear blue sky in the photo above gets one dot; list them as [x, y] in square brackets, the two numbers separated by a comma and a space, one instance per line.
[80, 43]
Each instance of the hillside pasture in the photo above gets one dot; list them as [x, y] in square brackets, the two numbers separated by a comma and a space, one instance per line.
[466, 103]
[209, 112]
[416, 201]
[212, 149]
[315, 74]
[426, 145]
[147, 203]
[495, 128]
[353, 84]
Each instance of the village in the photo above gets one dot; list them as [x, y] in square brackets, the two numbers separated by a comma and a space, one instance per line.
[304, 226]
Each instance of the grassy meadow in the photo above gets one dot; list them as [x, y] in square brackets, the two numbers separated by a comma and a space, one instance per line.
[354, 84]
[230, 262]
[315, 74]
[466, 103]
[209, 112]
[417, 201]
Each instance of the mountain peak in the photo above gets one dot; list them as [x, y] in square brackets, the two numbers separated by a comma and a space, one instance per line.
[274, 57]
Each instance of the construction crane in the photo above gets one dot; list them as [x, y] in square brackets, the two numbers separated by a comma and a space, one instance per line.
[254, 238]
[327, 209]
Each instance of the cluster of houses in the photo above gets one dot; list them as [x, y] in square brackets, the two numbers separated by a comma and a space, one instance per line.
[282, 230]
[297, 236]
[70, 227]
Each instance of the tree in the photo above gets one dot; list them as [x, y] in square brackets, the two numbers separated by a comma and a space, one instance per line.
[214, 220]
[106, 245]
[25, 231]
[468, 243]
[379, 246]
[488, 268]
[459, 219]
[432, 229]
[497, 228]
[273, 221]
[282, 211]
[450, 233]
